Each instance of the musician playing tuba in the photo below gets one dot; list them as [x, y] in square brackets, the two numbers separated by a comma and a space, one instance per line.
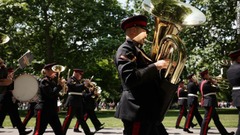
[139, 106]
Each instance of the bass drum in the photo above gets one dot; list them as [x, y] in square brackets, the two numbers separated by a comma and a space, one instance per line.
[26, 88]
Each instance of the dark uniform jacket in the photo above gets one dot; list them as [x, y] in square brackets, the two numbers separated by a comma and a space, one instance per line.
[141, 93]
[89, 100]
[233, 75]
[182, 96]
[193, 89]
[3, 89]
[208, 91]
[49, 93]
[74, 85]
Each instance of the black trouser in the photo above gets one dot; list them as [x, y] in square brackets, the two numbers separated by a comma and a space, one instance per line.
[182, 112]
[193, 111]
[12, 110]
[78, 112]
[143, 128]
[210, 112]
[47, 116]
[93, 117]
[29, 115]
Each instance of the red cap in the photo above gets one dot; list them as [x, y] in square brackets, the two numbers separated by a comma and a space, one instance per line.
[203, 73]
[234, 54]
[49, 66]
[138, 20]
[78, 70]
[190, 76]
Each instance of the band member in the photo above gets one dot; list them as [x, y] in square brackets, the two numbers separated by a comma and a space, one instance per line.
[140, 81]
[4, 114]
[233, 75]
[47, 109]
[7, 104]
[182, 94]
[193, 89]
[90, 96]
[208, 88]
[75, 101]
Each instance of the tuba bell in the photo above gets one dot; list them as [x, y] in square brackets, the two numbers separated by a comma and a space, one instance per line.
[170, 17]
[3, 38]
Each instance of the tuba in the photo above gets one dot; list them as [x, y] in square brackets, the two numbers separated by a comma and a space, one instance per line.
[170, 17]
[3, 38]
[58, 69]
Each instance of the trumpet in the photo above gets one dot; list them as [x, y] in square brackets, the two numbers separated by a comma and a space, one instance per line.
[58, 69]
[3, 38]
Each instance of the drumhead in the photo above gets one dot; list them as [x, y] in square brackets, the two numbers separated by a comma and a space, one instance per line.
[25, 87]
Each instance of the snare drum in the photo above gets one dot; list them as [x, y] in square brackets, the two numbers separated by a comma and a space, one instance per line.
[26, 88]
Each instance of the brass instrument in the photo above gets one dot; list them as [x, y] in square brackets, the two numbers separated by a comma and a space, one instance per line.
[170, 17]
[58, 69]
[3, 38]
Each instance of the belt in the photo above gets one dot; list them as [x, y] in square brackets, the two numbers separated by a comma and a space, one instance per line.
[236, 88]
[192, 95]
[209, 94]
[75, 93]
[183, 98]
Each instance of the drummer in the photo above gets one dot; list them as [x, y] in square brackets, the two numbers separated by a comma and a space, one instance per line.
[6, 103]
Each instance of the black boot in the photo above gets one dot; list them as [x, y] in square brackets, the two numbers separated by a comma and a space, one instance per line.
[178, 127]
[193, 125]
[231, 133]
[77, 130]
[25, 132]
[187, 130]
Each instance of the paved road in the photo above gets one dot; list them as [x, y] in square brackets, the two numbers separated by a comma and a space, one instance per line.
[115, 131]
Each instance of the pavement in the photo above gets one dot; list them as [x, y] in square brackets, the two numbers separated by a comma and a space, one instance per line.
[116, 131]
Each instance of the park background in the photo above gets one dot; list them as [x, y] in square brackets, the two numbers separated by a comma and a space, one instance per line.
[85, 34]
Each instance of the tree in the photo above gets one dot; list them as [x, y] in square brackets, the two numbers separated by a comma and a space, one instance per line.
[66, 32]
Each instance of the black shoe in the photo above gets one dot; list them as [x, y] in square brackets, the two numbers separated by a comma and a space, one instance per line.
[231, 133]
[178, 127]
[193, 125]
[25, 132]
[90, 133]
[99, 128]
[208, 128]
[187, 130]
[77, 130]
[1, 127]
[102, 124]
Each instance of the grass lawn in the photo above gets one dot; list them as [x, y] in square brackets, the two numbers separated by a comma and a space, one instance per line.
[229, 118]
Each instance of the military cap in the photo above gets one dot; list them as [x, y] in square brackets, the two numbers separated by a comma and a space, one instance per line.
[137, 20]
[49, 66]
[190, 76]
[234, 54]
[78, 70]
[204, 73]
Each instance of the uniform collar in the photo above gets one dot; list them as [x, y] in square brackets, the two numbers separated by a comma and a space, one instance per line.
[134, 43]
